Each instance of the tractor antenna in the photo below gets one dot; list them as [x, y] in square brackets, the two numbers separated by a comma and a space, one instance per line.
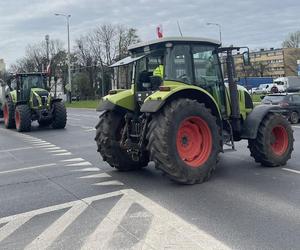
[178, 25]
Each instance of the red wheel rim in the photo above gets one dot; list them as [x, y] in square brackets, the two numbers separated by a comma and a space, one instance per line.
[194, 141]
[17, 118]
[5, 114]
[280, 140]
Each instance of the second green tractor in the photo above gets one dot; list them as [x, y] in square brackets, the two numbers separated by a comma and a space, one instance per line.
[25, 98]
[180, 113]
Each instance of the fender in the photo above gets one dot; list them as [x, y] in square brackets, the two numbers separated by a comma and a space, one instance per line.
[255, 118]
[121, 98]
[156, 101]
[56, 100]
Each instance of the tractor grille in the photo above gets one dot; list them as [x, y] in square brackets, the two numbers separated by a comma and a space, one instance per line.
[44, 96]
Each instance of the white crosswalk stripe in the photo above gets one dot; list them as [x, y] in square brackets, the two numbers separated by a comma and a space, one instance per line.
[100, 237]
[46, 238]
[12, 226]
[101, 175]
[109, 183]
[80, 164]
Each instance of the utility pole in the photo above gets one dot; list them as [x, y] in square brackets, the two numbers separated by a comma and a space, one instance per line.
[47, 52]
[69, 54]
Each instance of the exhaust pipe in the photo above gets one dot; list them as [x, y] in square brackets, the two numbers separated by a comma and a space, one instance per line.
[233, 91]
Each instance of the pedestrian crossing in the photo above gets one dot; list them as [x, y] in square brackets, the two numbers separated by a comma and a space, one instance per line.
[120, 218]
[130, 218]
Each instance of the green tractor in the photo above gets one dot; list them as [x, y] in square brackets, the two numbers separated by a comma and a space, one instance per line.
[179, 113]
[25, 98]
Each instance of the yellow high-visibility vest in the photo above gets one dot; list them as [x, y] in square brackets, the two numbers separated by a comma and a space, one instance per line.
[159, 71]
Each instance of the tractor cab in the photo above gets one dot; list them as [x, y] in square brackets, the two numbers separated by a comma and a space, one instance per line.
[30, 87]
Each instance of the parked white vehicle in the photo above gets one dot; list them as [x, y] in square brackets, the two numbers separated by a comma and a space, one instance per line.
[268, 88]
[289, 82]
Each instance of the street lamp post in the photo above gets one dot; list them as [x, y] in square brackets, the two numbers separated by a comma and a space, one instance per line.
[69, 55]
[220, 32]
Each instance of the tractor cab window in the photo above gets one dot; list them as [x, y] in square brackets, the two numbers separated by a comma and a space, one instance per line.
[206, 66]
[208, 73]
[150, 71]
[179, 64]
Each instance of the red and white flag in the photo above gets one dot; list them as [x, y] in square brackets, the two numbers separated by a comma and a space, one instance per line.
[48, 69]
[159, 31]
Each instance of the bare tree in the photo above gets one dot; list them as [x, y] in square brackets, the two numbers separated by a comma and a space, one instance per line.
[292, 41]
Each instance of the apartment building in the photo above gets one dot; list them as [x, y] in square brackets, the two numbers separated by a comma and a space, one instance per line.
[271, 63]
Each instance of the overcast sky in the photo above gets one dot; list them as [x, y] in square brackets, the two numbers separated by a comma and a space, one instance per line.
[256, 23]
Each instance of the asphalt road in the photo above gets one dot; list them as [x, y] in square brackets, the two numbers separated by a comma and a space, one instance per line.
[57, 193]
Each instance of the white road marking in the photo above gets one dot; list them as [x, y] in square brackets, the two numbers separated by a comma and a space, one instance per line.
[80, 164]
[62, 154]
[109, 183]
[73, 160]
[102, 175]
[90, 130]
[46, 238]
[44, 210]
[182, 228]
[58, 151]
[14, 149]
[40, 143]
[27, 168]
[295, 126]
[165, 226]
[102, 234]
[86, 169]
[45, 146]
[52, 148]
[291, 170]
[12, 226]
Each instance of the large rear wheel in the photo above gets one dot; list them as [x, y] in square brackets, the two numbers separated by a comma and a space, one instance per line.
[184, 141]
[108, 137]
[273, 145]
[23, 118]
[9, 114]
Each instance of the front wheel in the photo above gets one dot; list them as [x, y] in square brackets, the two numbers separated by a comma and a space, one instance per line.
[184, 141]
[273, 144]
[9, 114]
[23, 118]
[59, 115]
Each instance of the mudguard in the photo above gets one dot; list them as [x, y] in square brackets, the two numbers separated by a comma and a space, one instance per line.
[155, 101]
[120, 98]
[254, 119]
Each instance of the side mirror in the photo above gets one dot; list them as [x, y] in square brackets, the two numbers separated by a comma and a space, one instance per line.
[246, 58]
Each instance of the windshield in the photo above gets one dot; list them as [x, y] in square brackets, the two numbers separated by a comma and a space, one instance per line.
[273, 99]
[32, 81]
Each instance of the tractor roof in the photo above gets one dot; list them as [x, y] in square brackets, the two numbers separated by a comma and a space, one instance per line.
[174, 39]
